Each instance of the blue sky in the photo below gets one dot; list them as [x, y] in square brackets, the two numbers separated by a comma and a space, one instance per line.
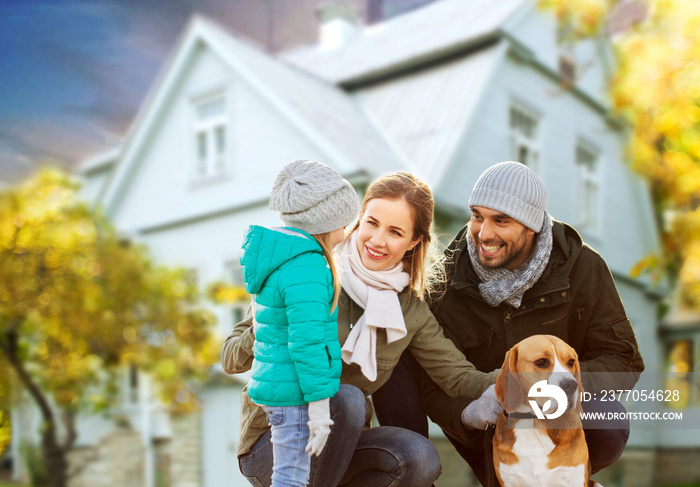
[74, 72]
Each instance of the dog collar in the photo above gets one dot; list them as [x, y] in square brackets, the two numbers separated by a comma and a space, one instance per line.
[520, 415]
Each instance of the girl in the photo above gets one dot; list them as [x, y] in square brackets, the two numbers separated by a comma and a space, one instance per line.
[291, 274]
[381, 314]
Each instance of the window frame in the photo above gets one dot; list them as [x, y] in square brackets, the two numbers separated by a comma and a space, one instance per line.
[587, 213]
[519, 139]
[216, 163]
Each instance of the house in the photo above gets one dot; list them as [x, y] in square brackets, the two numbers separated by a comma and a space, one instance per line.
[443, 91]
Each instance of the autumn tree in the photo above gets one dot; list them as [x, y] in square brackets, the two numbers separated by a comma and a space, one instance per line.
[77, 304]
[5, 426]
[655, 89]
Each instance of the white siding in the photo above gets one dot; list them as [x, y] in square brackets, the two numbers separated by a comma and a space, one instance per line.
[160, 189]
[221, 417]
[536, 29]
[624, 231]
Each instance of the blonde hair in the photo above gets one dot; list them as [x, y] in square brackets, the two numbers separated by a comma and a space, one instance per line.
[324, 239]
[416, 193]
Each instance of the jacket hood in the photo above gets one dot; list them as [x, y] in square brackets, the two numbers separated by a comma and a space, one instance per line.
[264, 250]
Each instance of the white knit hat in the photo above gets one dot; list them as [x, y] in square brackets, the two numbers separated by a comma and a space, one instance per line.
[313, 197]
[513, 189]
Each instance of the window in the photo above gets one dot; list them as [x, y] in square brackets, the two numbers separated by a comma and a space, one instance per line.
[235, 277]
[588, 188]
[524, 139]
[210, 136]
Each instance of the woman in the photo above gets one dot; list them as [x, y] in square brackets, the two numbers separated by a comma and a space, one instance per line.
[380, 314]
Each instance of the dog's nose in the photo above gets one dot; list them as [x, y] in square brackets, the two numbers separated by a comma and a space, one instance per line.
[569, 386]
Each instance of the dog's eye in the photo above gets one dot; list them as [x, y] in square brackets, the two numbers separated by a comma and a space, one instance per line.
[543, 362]
[571, 362]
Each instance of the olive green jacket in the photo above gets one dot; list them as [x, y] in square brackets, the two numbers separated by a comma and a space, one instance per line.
[436, 354]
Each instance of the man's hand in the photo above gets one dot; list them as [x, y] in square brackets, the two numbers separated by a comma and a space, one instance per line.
[482, 412]
[320, 423]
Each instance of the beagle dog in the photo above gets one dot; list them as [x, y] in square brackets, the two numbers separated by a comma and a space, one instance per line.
[539, 440]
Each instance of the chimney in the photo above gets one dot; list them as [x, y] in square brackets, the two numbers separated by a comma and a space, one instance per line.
[338, 22]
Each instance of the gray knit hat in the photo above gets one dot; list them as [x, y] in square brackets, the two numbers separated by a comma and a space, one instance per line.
[313, 197]
[513, 189]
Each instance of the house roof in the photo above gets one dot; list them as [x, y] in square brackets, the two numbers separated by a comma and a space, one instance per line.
[425, 114]
[411, 122]
[99, 161]
[318, 109]
[436, 30]
[327, 109]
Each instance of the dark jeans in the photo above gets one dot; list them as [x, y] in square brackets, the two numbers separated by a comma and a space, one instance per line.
[399, 401]
[353, 456]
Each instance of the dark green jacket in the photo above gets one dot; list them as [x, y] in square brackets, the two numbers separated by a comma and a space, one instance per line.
[575, 299]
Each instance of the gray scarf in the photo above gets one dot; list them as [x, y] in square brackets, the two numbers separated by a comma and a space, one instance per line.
[500, 284]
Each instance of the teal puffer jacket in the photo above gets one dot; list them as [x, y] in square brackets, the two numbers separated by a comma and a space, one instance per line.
[297, 354]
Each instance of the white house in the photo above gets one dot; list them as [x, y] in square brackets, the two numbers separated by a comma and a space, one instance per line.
[443, 91]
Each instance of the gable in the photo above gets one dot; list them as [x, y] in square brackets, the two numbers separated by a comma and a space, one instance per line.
[277, 114]
[161, 190]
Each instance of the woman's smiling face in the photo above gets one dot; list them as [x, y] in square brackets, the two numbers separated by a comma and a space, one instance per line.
[385, 233]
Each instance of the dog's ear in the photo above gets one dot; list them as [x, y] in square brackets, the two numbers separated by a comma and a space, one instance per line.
[577, 371]
[508, 390]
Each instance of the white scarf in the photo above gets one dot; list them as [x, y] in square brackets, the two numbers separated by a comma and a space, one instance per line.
[377, 293]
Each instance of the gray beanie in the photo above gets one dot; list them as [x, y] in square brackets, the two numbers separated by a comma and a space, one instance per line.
[313, 197]
[513, 189]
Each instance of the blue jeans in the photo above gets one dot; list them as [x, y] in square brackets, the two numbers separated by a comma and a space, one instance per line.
[289, 434]
[355, 456]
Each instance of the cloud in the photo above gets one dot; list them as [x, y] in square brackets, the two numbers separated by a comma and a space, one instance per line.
[75, 72]
[32, 142]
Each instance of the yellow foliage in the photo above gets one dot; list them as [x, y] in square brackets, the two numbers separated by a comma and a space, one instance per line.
[656, 88]
[75, 300]
[220, 293]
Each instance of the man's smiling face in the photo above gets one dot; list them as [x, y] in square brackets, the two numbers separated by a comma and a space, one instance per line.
[500, 240]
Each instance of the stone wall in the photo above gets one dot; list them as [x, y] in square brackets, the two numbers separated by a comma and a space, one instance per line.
[185, 450]
[117, 460]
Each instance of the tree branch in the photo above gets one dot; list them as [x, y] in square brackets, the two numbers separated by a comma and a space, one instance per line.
[9, 348]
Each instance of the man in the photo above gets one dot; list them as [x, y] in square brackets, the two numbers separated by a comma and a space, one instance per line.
[513, 272]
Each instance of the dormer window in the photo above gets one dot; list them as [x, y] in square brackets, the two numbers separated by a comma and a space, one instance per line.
[210, 137]
[524, 139]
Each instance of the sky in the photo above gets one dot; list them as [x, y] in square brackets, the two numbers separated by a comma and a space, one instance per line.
[73, 73]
